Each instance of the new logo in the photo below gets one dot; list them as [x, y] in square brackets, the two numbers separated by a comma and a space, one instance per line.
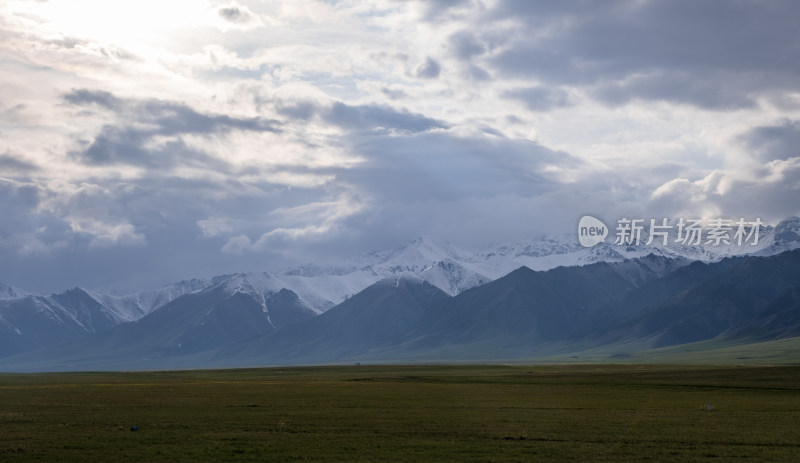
[591, 231]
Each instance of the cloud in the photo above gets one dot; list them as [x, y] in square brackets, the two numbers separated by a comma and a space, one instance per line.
[169, 118]
[394, 93]
[24, 230]
[459, 187]
[372, 117]
[465, 45]
[539, 98]
[774, 142]
[448, 166]
[478, 73]
[300, 226]
[441, 10]
[256, 136]
[149, 133]
[768, 193]
[108, 234]
[215, 226]
[429, 70]
[125, 145]
[412, 183]
[237, 14]
[237, 245]
[84, 97]
[360, 118]
[706, 54]
[678, 87]
[10, 163]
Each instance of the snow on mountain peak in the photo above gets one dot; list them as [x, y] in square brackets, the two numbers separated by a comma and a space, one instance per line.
[11, 292]
[440, 263]
[132, 306]
[788, 231]
[454, 270]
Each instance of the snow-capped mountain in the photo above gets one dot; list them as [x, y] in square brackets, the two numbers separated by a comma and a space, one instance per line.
[322, 287]
[550, 252]
[10, 292]
[783, 237]
[443, 265]
[30, 321]
[192, 315]
[133, 306]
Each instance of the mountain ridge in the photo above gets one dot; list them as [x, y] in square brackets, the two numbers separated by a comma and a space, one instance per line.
[526, 314]
[30, 322]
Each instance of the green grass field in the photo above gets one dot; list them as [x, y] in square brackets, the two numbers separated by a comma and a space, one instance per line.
[406, 413]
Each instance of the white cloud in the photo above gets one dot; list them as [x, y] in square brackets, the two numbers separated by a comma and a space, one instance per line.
[768, 192]
[215, 226]
[106, 235]
[237, 245]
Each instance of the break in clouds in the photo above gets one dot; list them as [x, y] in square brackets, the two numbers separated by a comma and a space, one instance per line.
[144, 143]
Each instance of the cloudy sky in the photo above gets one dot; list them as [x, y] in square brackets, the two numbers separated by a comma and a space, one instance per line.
[143, 142]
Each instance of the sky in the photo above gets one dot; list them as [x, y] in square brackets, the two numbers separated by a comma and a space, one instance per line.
[143, 142]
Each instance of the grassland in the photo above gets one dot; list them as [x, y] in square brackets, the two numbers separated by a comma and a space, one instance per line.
[785, 351]
[406, 413]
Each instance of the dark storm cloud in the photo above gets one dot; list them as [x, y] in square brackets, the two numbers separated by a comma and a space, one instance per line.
[115, 145]
[128, 142]
[394, 93]
[236, 14]
[371, 117]
[42, 251]
[231, 14]
[9, 163]
[465, 188]
[539, 98]
[478, 73]
[24, 196]
[441, 166]
[176, 224]
[84, 97]
[780, 141]
[303, 110]
[362, 118]
[465, 45]
[679, 87]
[24, 230]
[712, 54]
[174, 118]
[429, 70]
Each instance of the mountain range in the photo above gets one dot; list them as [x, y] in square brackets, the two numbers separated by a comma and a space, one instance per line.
[424, 301]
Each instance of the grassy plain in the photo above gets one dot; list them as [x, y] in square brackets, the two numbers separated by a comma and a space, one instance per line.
[405, 413]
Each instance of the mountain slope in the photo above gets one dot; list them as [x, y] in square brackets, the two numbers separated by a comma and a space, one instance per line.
[375, 317]
[11, 292]
[742, 292]
[655, 300]
[454, 270]
[529, 313]
[133, 306]
[780, 319]
[34, 322]
[524, 308]
[196, 322]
